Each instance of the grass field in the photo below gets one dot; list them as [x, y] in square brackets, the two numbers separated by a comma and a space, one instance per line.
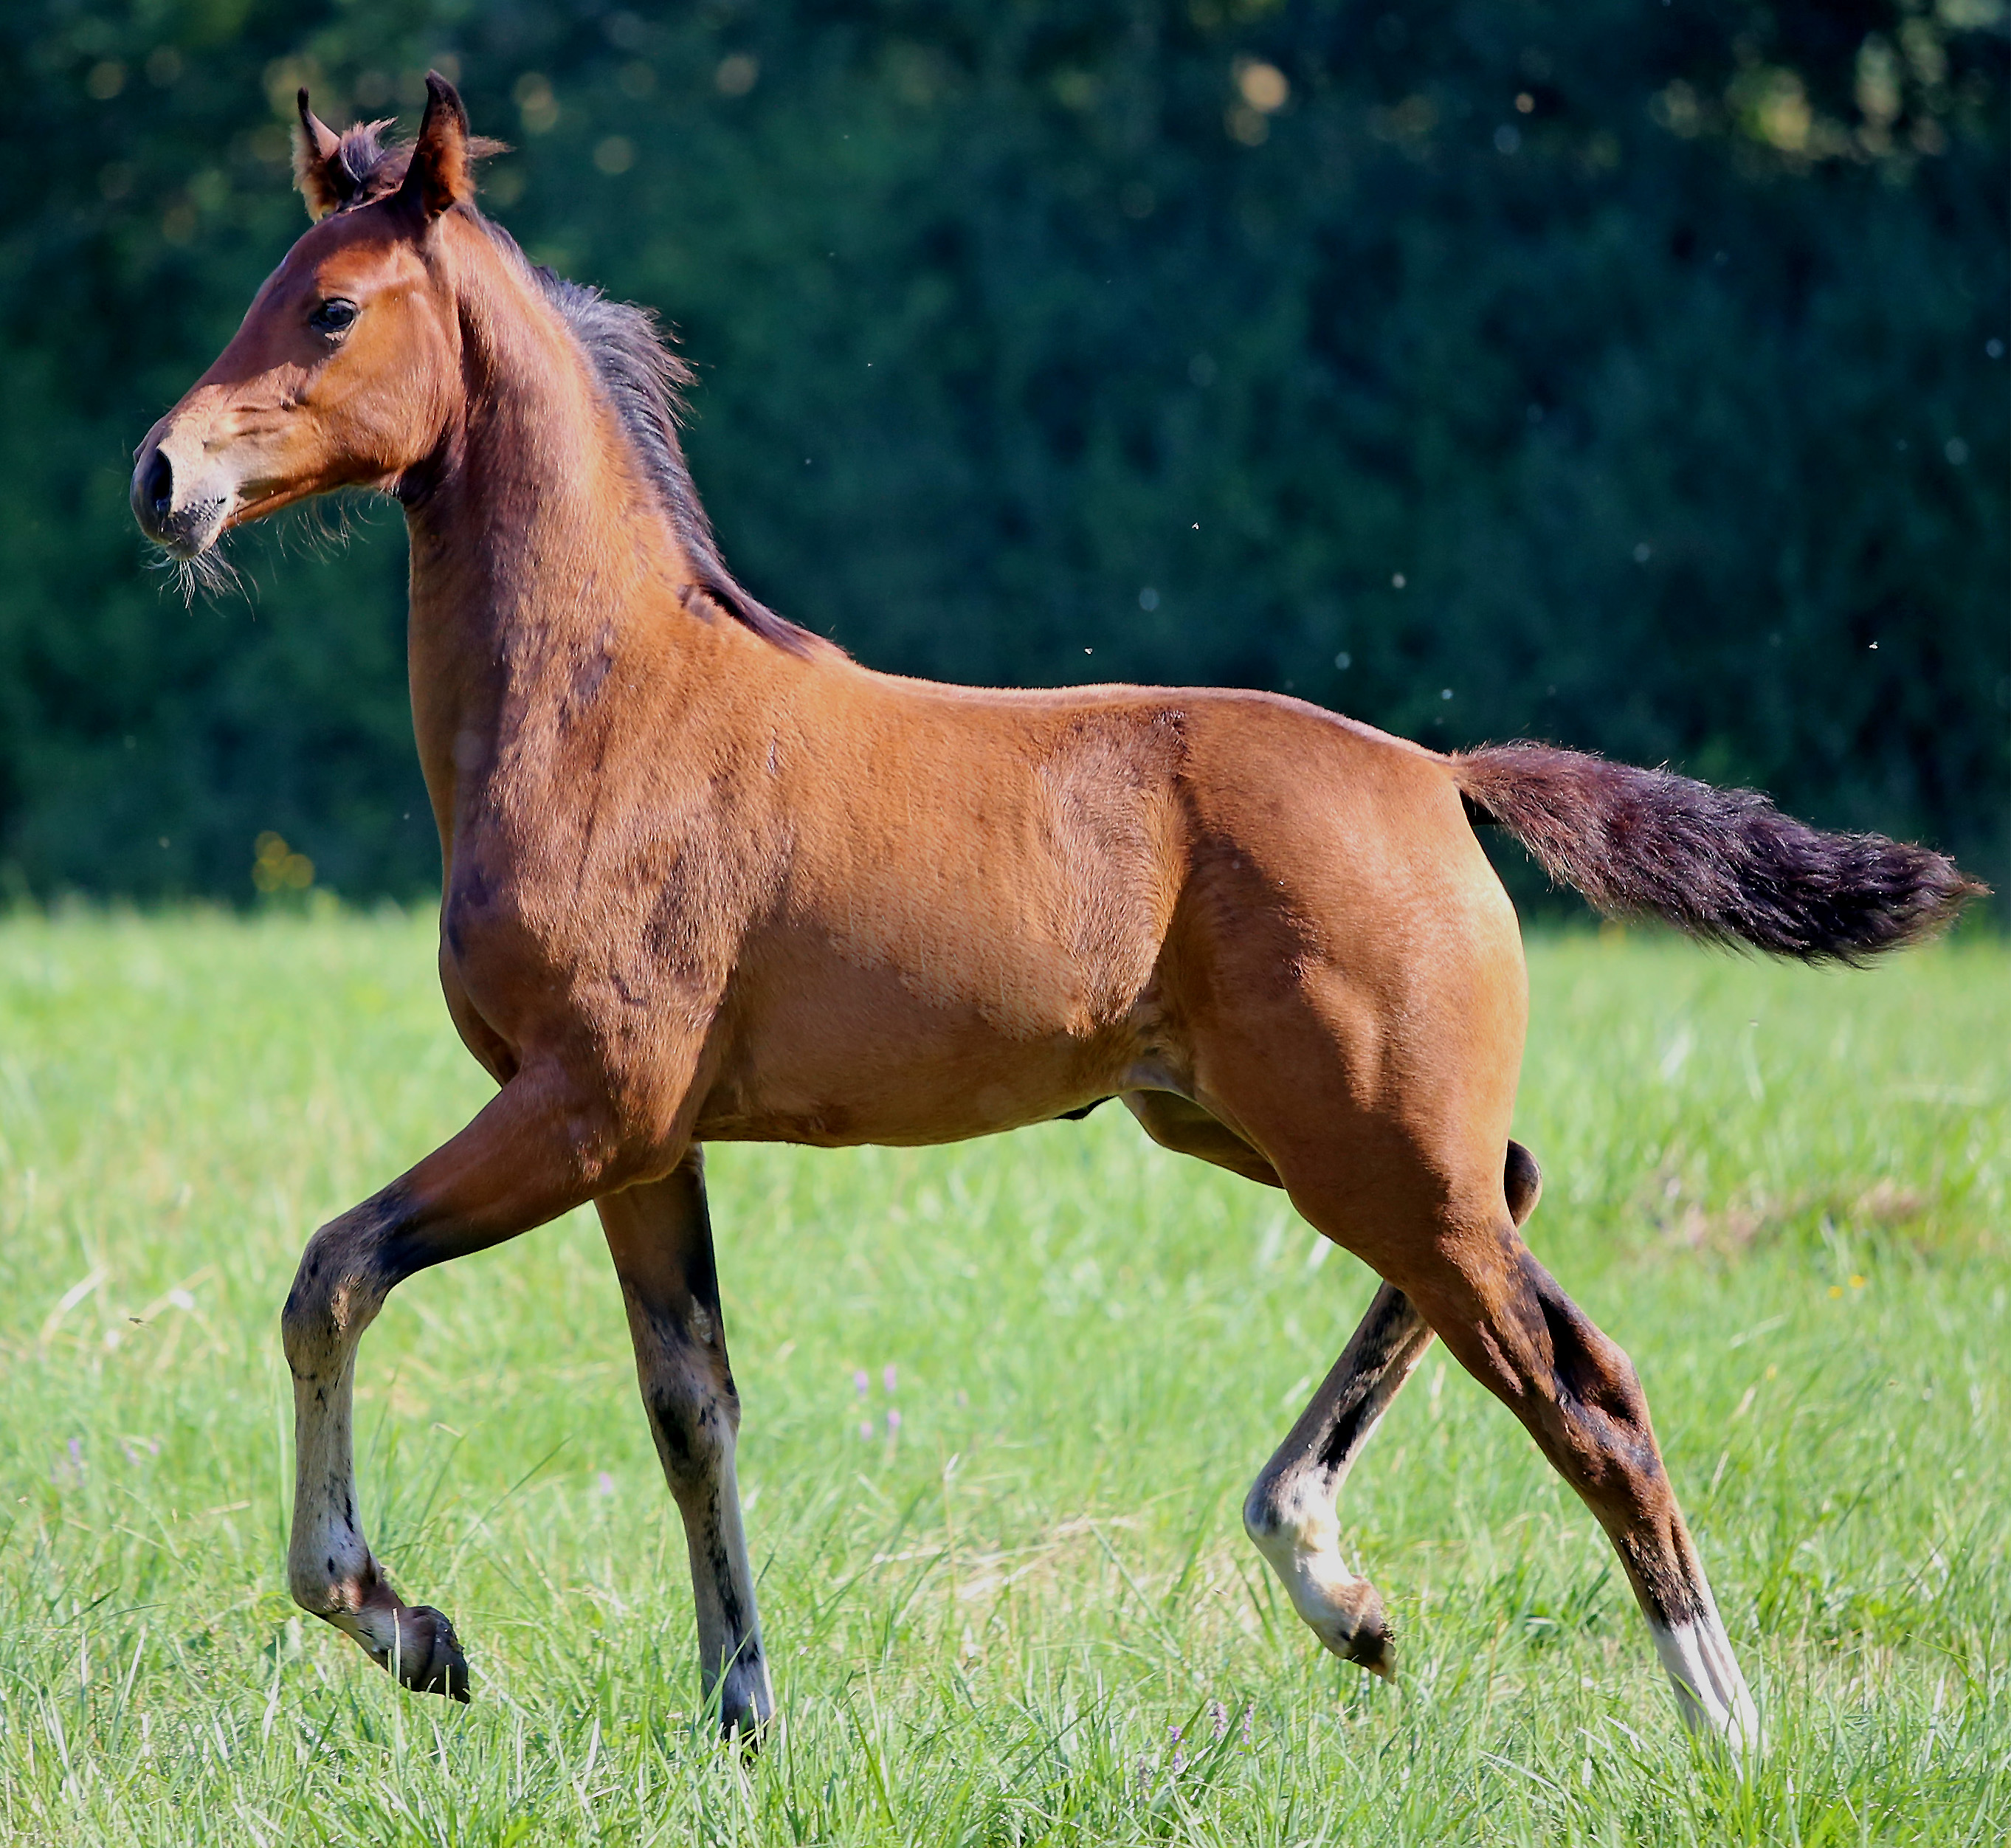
[1784, 1192]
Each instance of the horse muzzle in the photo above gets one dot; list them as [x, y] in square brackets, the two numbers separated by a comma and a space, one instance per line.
[177, 506]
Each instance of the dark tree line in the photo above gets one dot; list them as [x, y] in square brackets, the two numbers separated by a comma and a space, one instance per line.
[1631, 375]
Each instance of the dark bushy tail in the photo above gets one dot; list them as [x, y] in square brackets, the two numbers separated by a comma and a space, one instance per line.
[1721, 864]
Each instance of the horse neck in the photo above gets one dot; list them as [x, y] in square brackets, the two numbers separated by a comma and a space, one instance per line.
[537, 543]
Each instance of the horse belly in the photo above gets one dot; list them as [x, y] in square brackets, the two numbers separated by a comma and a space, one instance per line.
[967, 941]
[827, 1052]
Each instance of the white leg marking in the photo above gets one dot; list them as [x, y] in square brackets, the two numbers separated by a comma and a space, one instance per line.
[326, 1555]
[329, 1564]
[1301, 1544]
[1710, 1692]
[1290, 1512]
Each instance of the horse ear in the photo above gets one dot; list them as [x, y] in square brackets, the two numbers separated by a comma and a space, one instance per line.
[441, 174]
[324, 181]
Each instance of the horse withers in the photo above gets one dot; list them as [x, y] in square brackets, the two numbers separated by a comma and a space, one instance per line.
[706, 878]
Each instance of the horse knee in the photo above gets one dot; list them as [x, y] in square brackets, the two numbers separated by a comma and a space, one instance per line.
[696, 1419]
[348, 1270]
[319, 1308]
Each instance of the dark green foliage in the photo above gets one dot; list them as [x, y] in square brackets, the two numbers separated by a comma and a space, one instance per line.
[1658, 349]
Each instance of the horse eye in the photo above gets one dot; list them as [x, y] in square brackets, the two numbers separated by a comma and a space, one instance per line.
[333, 316]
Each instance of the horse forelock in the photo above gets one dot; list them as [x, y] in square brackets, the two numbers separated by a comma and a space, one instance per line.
[369, 169]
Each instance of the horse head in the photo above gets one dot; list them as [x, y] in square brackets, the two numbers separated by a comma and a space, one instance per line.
[345, 371]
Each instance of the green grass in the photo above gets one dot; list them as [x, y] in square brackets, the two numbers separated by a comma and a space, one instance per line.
[1783, 1192]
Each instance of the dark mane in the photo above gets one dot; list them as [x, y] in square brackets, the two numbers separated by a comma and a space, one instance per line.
[643, 378]
[646, 380]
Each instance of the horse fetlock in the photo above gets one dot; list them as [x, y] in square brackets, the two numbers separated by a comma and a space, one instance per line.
[320, 1599]
[414, 1643]
[1286, 1511]
[336, 1578]
[1343, 1610]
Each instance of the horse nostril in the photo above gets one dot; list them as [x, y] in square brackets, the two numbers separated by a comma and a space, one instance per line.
[159, 486]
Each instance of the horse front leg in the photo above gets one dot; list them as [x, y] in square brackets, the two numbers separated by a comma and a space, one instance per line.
[660, 1235]
[534, 1151]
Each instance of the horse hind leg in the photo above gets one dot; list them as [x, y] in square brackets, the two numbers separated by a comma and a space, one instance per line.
[1290, 1513]
[1432, 1206]
[1511, 1325]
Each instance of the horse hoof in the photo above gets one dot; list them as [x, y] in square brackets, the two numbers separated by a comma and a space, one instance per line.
[429, 1658]
[746, 1707]
[1377, 1654]
[1361, 1634]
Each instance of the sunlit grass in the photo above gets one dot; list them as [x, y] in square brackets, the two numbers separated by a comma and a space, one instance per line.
[1785, 1193]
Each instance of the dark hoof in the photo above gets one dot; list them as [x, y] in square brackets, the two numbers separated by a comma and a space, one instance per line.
[429, 1659]
[1367, 1642]
[746, 1706]
[1376, 1653]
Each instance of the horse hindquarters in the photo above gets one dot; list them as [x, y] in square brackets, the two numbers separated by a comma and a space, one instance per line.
[1377, 1078]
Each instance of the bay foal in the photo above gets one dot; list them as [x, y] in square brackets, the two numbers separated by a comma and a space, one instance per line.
[707, 879]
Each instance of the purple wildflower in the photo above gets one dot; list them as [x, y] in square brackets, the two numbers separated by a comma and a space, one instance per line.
[888, 1376]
